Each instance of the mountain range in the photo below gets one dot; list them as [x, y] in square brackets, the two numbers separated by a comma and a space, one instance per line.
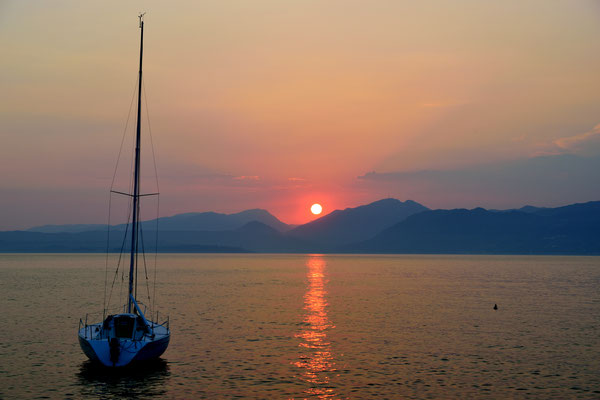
[564, 230]
[209, 221]
[384, 226]
[355, 224]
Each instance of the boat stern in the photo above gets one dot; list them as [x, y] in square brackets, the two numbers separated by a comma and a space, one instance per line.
[121, 343]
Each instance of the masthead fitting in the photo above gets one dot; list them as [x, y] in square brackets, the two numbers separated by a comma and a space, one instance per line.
[141, 17]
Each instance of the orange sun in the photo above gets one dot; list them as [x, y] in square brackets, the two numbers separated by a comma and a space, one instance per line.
[316, 209]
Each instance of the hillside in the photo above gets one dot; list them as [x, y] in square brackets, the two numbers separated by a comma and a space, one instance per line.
[355, 224]
[564, 230]
[385, 226]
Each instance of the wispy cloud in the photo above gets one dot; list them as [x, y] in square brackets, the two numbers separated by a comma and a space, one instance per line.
[583, 143]
[247, 178]
[294, 179]
[575, 142]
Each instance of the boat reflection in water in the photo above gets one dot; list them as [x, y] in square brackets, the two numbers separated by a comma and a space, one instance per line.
[142, 380]
[316, 359]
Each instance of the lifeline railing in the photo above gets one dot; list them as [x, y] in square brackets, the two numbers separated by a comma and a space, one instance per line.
[87, 333]
[88, 328]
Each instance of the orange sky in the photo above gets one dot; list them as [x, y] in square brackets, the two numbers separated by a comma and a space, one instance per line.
[279, 104]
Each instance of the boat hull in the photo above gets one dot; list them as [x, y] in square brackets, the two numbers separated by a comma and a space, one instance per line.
[152, 350]
[99, 349]
[87, 349]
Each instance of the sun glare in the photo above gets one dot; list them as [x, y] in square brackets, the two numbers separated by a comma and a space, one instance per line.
[316, 209]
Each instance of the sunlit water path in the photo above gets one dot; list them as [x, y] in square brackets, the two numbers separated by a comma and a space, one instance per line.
[316, 357]
[314, 326]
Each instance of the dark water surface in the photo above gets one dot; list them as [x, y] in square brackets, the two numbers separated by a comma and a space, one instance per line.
[311, 326]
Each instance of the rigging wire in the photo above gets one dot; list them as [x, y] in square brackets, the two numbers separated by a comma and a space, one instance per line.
[119, 265]
[157, 199]
[130, 210]
[155, 254]
[104, 306]
[137, 244]
[123, 138]
[145, 269]
[129, 216]
[110, 201]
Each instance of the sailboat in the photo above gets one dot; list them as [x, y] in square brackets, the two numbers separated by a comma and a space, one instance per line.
[128, 336]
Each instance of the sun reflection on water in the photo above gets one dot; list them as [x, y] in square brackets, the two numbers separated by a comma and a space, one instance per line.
[316, 360]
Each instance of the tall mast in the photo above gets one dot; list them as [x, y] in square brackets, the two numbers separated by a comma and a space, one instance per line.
[136, 177]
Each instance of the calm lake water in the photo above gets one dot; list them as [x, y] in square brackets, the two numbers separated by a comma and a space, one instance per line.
[313, 326]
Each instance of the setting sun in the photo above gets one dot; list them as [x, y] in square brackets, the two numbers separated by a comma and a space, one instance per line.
[316, 209]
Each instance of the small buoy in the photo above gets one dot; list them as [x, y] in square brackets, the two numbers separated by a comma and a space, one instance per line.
[495, 306]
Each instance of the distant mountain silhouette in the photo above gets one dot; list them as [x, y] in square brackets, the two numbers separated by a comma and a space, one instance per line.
[205, 221]
[255, 227]
[95, 242]
[70, 228]
[527, 209]
[211, 221]
[252, 237]
[580, 212]
[565, 230]
[531, 209]
[355, 224]
[40, 242]
[570, 229]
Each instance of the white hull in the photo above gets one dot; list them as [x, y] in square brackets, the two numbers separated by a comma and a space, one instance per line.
[96, 344]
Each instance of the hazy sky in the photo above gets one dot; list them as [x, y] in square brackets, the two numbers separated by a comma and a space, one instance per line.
[279, 104]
